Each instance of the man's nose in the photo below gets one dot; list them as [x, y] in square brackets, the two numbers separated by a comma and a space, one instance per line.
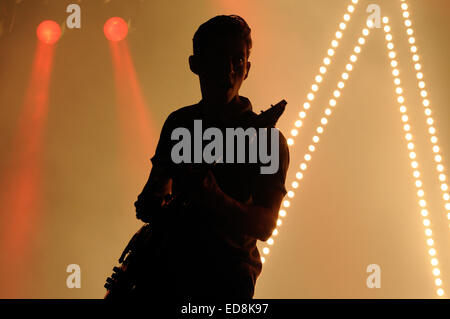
[230, 67]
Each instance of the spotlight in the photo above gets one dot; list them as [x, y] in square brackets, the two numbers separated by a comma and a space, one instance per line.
[115, 29]
[48, 32]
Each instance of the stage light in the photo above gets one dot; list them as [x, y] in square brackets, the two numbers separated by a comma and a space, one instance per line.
[115, 29]
[323, 69]
[406, 127]
[404, 117]
[426, 103]
[48, 32]
[410, 145]
[336, 93]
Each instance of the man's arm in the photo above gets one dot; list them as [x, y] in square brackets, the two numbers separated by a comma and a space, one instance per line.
[255, 219]
[151, 198]
[258, 217]
[159, 182]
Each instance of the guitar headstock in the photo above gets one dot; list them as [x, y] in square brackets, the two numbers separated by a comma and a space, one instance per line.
[270, 116]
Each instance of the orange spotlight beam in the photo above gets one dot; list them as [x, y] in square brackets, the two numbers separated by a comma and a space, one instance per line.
[20, 192]
[137, 134]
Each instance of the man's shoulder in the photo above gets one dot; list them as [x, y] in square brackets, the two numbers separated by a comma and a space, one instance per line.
[184, 113]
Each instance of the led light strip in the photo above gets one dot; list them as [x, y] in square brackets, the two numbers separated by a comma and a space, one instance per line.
[320, 129]
[307, 105]
[406, 126]
[322, 70]
[427, 109]
[412, 156]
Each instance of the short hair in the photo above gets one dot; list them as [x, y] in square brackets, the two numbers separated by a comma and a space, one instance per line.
[221, 26]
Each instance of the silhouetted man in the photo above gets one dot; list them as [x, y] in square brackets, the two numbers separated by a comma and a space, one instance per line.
[211, 250]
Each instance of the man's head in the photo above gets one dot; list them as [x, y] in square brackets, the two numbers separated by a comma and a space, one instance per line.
[221, 50]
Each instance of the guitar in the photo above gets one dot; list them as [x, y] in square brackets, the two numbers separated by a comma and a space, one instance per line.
[145, 247]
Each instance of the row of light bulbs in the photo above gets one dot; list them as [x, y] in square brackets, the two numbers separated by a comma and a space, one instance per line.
[442, 177]
[307, 105]
[435, 147]
[413, 158]
[404, 117]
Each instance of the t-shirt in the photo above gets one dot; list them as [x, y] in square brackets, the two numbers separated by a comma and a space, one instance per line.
[198, 246]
